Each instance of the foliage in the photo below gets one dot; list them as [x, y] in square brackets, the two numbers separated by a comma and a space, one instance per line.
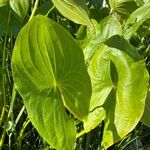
[87, 89]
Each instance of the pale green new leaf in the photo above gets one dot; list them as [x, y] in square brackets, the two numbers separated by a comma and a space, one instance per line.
[74, 10]
[49, 73]
[20, 7]
[108, 27]
[3, 2]
[119, 85]
[135, 20]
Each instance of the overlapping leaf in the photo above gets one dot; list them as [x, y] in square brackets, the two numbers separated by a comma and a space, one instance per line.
[20, 7]
[3, 3]
[49, 73]
[135, 20]
[108, 27]
[74, 10]
[119, 85]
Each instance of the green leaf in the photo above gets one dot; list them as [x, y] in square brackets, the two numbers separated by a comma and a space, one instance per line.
[20, 7]
[95, 117]
[145, 118]
[125, 7]
[119, 85]
[3, 2]
[74, 10]
[49, 73]
[135, 20]
[8, 23]
[108, 27]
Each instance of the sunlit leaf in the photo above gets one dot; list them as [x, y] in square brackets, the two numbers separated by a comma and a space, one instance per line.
[49, 73]
[119, 85]
[74, 10]
[135, 20]
[108, 27]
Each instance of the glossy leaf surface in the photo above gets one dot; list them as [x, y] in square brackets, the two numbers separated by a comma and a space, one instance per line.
[108, 27]
[49, 73]
[119, 85]
[20, 7]
[74, 10]
[135, 20]
[125, 7]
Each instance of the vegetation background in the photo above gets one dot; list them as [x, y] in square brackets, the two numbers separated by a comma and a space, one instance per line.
[16, 130]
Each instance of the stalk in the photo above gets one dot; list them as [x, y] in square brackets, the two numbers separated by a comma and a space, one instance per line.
[34, 9]
[14, 93]
[3, 81]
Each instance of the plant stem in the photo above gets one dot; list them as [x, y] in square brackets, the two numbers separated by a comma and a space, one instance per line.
[3, 81]
[81, 133]
[16, 121]
[8, 117]
[34, 9]
[21, 133]
[50, 11]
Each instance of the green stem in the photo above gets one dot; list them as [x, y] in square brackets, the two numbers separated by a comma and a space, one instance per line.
[8, 117]
[3, 81]
[81, 133]
[50, 11]
[15, 123]
[21, 133]
[34, 9]
[19, 115]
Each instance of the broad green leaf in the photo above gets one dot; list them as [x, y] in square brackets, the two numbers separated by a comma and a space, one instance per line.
[125, 7]
[20, 7]
[145, 118]
[3, 2]
[119, 85]
[74, 10]
[8, 23]
[108, 27]
[50, 74]
[135, 20]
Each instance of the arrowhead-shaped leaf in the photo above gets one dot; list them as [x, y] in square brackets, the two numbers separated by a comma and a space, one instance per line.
[119, 85]
[74, 10]
[49, 73]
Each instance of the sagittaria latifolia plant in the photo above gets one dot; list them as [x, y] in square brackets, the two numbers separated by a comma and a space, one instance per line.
[98, 76]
